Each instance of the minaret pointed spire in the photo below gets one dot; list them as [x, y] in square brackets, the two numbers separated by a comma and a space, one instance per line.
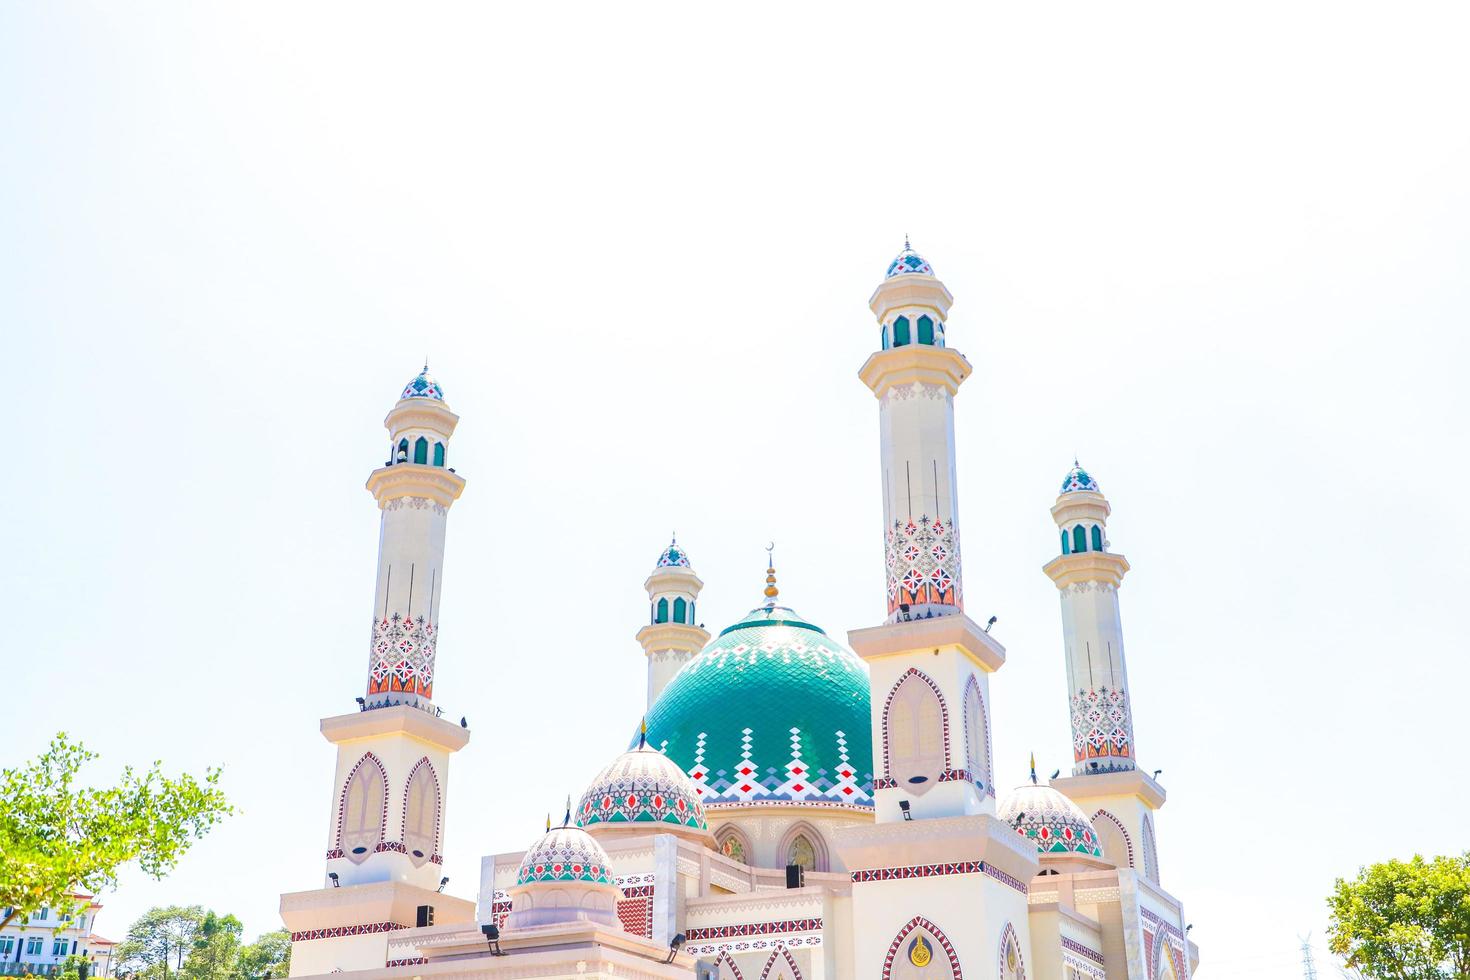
[771, 591]
[567, 819]
[1033, 768]
[643, 733]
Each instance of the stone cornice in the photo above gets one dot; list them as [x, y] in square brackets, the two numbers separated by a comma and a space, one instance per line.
[942, 366]
[957, 632]
[1089, 566]
[399, 718]
[926, 292]
[1096, 786]
[415, 480]
[672, 636]
[941, 840]
[421, 413]
[673, 579]
[1081, 505]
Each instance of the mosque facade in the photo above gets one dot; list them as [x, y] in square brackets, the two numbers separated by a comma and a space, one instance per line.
[792, 807]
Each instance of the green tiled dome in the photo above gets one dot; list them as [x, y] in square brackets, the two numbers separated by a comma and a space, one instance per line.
[771, 711]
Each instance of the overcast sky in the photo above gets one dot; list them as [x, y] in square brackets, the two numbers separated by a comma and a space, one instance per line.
[1217, 252]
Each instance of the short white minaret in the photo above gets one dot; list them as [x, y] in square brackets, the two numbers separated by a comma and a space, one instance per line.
[385, 832]
[1106, 780]
[929, 666]
[672, 636]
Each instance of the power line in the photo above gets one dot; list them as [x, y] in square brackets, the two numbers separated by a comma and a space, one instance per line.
[1309, 966]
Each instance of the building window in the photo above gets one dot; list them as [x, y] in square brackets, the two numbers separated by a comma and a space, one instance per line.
[438, 454]
[421, 815]
[914, 721]
[732, 845]
[1066, 543]
[58, 947]
[663, 611]
[901, 332]
[402, 450]
[33, 946]
[1097, 537]
[883, 338]
[7, 946]
[801, 852]
[926, 331]
[681, 610]
[1079, 539]
[421, 450]
[44, 914]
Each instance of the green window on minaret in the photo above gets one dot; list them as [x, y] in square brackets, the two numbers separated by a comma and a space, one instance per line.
[926, 331]
[1079, 539]
[680, 608]
[1066, 544]
[438, 454]
[1097, 537]
[402, 450]
[421, 450]
[883, 338]
[901, 332]
[663, 611]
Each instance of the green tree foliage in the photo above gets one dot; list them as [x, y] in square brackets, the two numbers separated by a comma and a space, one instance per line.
[216, 949]
[268, 958]
[160, 940]
[1405, 920]
[56, 836]
[75, 968]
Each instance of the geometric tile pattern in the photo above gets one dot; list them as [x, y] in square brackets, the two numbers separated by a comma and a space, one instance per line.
[754, 936]
[673, 557]
[1081, 950]
[930, 870]
[565, 854]
[402, 656]
[780, 953]
[922, 558]
[919, 922]
[336, 932]
[908, 262]
[635, 910]
[423, 386]
[1079, 479]
[1054, 823]
[641, 786]
[1101, 728]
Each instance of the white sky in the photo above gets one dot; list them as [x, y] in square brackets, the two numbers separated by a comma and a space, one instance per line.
[1219, 252]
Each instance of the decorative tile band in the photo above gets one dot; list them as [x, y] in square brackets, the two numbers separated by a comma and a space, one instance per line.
[410, 961]
[930, 870]
[727, 946]
[337, 932]
[753, 929]
[1082, 950]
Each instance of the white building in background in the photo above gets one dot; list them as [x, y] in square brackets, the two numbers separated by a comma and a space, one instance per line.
[792, 808]
[40, 944]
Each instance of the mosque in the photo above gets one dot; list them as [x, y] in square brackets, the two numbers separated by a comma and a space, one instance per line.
[791, 808]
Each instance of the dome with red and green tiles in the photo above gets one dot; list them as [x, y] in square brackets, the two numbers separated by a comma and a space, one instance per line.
[639, 788]
[1052, 822]
[772, 712]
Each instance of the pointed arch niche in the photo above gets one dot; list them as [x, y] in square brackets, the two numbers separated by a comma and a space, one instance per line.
[1150, 851]
[726, 968]
[1117, 846]
[915, 734]
[921, 951]
[1012, 962]
[977, 737]
[802, 844]
[422, 806]
[362, 810]
[733, 843]
[781, 966]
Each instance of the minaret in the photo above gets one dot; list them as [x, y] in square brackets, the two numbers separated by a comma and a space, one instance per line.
[386, 828]
[1105, 781]
[671, 637]
[930, 668]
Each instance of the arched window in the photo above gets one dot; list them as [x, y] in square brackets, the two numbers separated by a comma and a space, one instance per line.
[663, 611]
[926, 330]
[1097, 537]
[402, 450]
[921, 951]
[1079, 539]
[438, 454]
[421, 815]
[1012, 965]
[732, 845]
[1117, 847]
[977, 736]
[1066, 543]
[914, 725]
[680, 609]
[801, 852]
[901, 331]
[421, 450]
[1150, 851]
[883, 338]
[364, 802]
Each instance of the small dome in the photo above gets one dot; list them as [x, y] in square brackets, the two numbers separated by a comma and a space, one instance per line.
[908, 263]
[423, 386]
[673, 557]
[566, 854]
[1079, 479]
[641, 786]
[1053, 822]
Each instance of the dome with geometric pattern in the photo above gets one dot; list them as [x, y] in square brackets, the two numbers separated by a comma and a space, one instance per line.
[566, 854]
[908, 262]
[673, 557]
[1079, 479]
[641, 786]
[772, 711]
[1054, 823]
[423, 386]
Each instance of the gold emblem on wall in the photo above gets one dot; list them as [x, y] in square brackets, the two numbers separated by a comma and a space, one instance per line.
[920, 952]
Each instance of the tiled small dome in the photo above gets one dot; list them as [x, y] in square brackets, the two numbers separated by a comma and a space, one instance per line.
[1054, 823]
[673, 557]
[908, 262]
[641, 786]
[566, 854]
[423, 386]
[1079, 479]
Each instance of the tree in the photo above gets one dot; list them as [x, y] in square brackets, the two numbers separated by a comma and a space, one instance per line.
[1405, 920]
[75, 967]
[268, 958]
[160, 934]
[216, 948]
[56, 836]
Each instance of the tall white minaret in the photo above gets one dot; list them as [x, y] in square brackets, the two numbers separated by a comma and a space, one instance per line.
[385, 833]
[929, 663]
[672, 637]
[1106, 781]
